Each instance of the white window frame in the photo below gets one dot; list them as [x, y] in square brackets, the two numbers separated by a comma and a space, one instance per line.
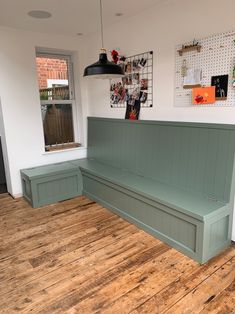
[69, 58]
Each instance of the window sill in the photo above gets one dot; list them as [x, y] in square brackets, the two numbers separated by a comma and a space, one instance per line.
[64, 150]
[59, 147]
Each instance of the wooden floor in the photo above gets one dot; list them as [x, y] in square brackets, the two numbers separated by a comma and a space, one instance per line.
[77, 257]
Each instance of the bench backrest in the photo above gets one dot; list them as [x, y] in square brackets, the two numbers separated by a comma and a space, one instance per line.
[196, 157]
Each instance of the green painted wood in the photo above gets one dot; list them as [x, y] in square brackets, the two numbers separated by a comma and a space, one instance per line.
[48, 170]
[194, 157]
[152, 217]
[178, 226]
[168, 123]
[200, 240]
[175, 180]
[185, 202]
[51, 183]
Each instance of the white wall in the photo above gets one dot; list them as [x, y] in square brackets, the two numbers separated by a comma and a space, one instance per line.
[4, 150]
[160, 29]
[24, 141]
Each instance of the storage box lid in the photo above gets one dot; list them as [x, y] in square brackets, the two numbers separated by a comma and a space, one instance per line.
[48, 170]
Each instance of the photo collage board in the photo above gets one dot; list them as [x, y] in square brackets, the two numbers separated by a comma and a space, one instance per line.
[137, 84]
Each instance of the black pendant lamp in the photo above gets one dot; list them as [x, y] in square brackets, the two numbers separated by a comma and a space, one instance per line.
[103, 68]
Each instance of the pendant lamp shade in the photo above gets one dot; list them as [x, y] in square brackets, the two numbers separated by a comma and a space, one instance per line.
[103, 68]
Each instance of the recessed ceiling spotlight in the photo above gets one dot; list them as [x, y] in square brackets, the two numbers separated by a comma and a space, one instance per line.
[119, 14]
[37, 14]
[79, 34]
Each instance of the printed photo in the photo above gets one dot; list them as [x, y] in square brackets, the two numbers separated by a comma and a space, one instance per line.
[144, 84]
[143, 97]
[115, 99]
[203, 95]
[136, 65]
[128, 80]
[128, 67]
[221, 86]
[118, 93]
[136, 78]
[143, 62]
[124, 79]
[136, 94]
[133, 111]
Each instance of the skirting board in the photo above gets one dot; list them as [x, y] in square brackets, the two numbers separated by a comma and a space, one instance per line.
[16, 195]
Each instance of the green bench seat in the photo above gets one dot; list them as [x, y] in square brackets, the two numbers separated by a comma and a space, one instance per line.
[191, 223]
[185, 202]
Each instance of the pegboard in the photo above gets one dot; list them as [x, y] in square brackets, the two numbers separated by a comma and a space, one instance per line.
[137, 82]
[217, 57]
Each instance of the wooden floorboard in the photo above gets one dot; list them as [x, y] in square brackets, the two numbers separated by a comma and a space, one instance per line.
[77, 257]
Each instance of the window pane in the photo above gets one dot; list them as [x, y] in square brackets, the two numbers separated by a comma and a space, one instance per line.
[57, 124]
[53, 78]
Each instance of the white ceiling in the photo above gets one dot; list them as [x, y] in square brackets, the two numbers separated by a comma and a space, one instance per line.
[69, 16]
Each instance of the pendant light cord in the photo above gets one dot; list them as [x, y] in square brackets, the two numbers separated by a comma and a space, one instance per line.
[101, 24]
[103, 68]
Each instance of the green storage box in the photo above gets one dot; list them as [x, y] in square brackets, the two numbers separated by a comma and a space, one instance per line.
[51, 183]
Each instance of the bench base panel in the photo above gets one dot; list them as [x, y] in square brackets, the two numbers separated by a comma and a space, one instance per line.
[196, 239]
[49, 190]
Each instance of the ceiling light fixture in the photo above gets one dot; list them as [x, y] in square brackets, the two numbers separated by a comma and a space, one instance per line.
[37, 14]
[103, 68]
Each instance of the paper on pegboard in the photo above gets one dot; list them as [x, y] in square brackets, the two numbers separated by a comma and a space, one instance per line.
[217, 57]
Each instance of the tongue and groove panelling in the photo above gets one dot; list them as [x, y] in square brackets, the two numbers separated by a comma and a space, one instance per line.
[194, 157]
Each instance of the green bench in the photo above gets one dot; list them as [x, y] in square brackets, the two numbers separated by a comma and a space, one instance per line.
[174, 180]
[51, 183]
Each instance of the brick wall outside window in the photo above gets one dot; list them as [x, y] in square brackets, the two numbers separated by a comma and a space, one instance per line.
[49, 68]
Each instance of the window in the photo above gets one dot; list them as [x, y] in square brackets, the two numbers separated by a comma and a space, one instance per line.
[56, 90]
